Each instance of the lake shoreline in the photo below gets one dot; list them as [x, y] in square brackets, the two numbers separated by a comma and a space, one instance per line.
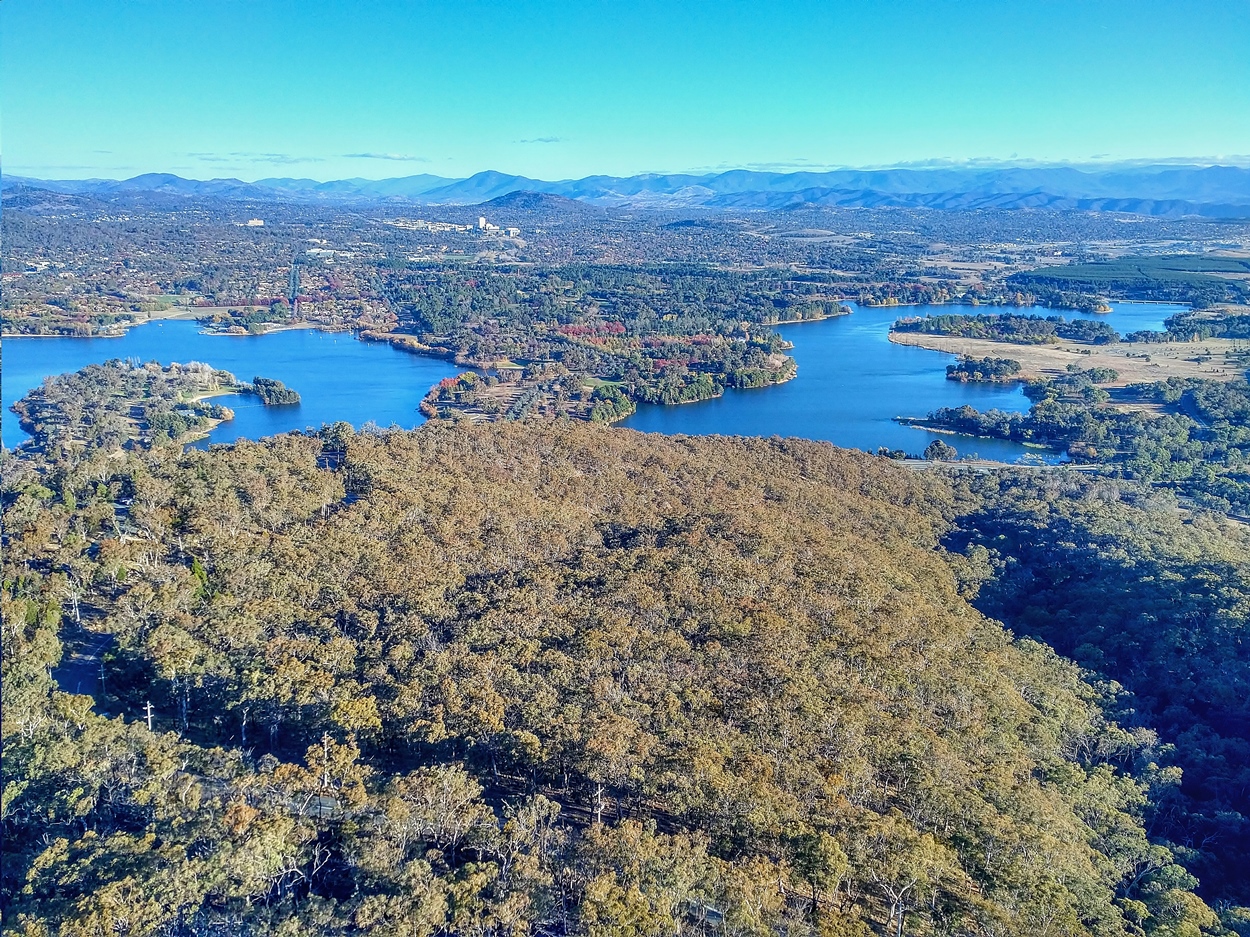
[856, 378]
[339, 379]
[190, 315]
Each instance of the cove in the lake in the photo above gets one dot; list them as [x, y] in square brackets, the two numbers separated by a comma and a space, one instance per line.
[852, 381]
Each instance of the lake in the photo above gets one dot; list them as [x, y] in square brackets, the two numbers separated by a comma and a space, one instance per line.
[851, 384]
[853, 381]
[338, 377]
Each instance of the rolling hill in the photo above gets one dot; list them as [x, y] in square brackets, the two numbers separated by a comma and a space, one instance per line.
[1162, 190]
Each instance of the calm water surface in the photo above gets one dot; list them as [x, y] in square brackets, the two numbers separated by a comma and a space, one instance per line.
[338, 377]
[852, 381]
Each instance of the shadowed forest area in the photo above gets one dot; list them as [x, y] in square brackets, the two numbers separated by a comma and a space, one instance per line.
[1154, 601]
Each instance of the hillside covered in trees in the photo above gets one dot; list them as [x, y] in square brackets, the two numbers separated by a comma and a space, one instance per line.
[1155, 600]
[537, 678]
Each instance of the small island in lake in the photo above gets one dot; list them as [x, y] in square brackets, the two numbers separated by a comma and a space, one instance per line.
[984, 370]
[273, 393]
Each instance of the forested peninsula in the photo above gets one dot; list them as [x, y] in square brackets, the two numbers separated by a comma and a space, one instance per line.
[1021, 329]
[1189, 435]
[105, 406]
[126, 403]
[550, 677]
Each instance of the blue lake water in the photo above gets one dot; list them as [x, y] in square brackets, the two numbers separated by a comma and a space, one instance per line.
[852, 381]
[338, 377]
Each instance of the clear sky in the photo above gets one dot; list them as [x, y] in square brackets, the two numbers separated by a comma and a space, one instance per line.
[255, 88]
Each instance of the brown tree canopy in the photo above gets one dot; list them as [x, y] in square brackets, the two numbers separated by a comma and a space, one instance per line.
[548, 678]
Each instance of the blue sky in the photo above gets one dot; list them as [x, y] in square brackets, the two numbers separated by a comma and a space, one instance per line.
[255, 88]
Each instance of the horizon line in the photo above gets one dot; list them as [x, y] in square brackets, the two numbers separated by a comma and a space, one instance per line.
[785, 169]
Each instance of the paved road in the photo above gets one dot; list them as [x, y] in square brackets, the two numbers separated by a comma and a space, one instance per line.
[79, 671]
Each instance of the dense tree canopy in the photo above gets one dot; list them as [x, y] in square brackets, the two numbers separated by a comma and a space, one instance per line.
[1191, 435]
[1022, 330]
[1135, 590]
[560, 678]
[987, 370]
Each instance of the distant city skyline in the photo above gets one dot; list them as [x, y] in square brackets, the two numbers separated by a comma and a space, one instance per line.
[330, 90]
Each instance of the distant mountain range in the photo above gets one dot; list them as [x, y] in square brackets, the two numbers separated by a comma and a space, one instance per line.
[1166, 190]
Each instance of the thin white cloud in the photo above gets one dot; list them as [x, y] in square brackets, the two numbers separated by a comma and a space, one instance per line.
[796, 164]
[791, 165]
[392, 157]
[542, 140]
[22, 169]
[279, 159]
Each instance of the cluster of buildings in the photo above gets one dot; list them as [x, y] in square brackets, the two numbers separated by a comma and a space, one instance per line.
[484, 225]
[447, 226]
[434, 226]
